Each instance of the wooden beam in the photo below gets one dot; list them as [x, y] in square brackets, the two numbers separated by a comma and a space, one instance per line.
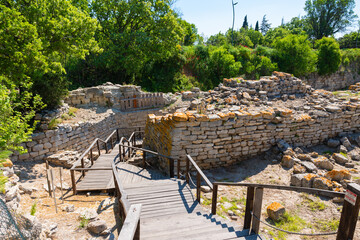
[131, 228]
[249, 207]
[257, 209]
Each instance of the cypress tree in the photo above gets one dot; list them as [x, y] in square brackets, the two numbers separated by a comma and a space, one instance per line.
[245, 23]
[257, 26]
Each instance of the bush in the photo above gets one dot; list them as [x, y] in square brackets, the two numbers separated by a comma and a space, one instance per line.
[295, 55]
[329, 56]
[222, 64]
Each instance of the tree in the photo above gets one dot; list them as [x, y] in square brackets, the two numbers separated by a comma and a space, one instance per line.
[62, 31]
[327, 17]
[191, 33]
[245, 23]
[134, 32]
[294, 55]
[257, 26]
[265, 25]
[217, 40]
[329, 56]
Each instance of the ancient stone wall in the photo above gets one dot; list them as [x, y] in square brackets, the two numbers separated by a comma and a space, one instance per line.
[79, 136]
[336, 81]
[222, 139]
[117, 96]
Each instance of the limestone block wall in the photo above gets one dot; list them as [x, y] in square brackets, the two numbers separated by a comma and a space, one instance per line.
[79, 136]
[118, 96]
[221, 139]
[336, 81]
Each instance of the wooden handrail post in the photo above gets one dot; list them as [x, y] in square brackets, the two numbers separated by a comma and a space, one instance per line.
[129, 149]
[350, 213]
[106, 147]
[117, 135]
[171, 165]
[187, 170]
[120, 154]
[47, 177]
[82, 166]
[178, 168]
[257, 209]
[91, 157]
[198, 186]
[214, 199]
[73, 182]
[111, 142]
[98, 147]
[249, 207]
[144, 160]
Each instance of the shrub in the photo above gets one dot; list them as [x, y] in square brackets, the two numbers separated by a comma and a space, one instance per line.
[329, 55]
[295, 55]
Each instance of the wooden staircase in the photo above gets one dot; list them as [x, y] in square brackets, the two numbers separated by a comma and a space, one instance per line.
[170, 211]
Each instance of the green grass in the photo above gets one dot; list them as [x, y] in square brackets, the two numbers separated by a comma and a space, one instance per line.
[65, 116]
[72, 111]
[327, 225]
[344, 154]
[54, 123]
[313, 205]
[4, 155]
[33, 209]
[3, 180]
[289, 222]
[83, 222]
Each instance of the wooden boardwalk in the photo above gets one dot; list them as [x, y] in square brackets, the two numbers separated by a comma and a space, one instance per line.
[169, 207]
[170, 211]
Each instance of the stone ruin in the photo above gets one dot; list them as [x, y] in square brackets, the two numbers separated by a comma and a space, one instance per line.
[240, 119]
[117, 96]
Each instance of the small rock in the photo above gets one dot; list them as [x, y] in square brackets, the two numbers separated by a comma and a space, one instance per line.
[308, 180]
[12, 193]
[314, 154]
[323, 163]
[338, 175]
[296, 179]
[88, 213]
[310, 167]
[298, 150]
[349, 165]
[287, 161]
[97, 226]
[304, 157]
[69, 208]
[299, 169]
[333, 143]
[205, 189]
[275, 211]
[235, 218]
[26, 189]
[339, 158]
[322, 183]
[231, 213]
[345, 141]
[342, 149]
[65, 186]
[290, 152]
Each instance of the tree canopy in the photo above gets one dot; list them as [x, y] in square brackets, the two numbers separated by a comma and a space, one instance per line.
[327, 17]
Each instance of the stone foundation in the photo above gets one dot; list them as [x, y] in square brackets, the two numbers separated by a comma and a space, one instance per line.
[222, 139]
[79, 136]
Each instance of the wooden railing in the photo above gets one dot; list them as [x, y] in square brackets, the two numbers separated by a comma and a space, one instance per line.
[254, 199]
[199, 175]
[131, 227]
[98, 143]
[145, 151]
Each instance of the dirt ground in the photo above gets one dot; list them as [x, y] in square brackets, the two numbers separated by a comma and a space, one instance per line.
[68, 223]
[318, 213]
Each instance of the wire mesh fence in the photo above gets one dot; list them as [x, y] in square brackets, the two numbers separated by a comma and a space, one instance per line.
[8, 227]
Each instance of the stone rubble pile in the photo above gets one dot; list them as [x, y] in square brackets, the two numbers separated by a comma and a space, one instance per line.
[329, 171]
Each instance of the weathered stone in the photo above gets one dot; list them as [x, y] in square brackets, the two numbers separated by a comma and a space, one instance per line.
[299, 169]
[338, 175]
[310, 167]
[275, 211]
[180, 117]
[97, 226]
[333, 143]
[339, 158]
[308, 180]
[323, 163]
[6, 163]
[304, 157]
[287, 161]
[296, 179]
[205, 189]
[322, 183]
[68, 208]
[88, 213]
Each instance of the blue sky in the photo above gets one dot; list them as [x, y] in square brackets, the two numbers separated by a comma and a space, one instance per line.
[213, 16]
